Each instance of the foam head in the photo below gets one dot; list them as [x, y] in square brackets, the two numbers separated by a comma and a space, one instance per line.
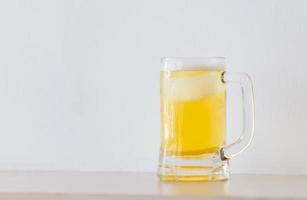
[209, 63]
[192, 85]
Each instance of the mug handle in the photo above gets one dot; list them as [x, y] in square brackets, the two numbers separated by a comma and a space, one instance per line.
[245, 83]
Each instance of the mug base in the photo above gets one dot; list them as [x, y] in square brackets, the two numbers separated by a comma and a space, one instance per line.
[207, 168]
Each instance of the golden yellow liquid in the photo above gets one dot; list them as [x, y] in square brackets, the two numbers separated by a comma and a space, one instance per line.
[193, 109]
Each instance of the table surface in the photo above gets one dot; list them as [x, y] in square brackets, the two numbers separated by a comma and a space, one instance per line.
[112, 185]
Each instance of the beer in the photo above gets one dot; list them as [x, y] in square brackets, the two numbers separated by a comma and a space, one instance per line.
[193, 112]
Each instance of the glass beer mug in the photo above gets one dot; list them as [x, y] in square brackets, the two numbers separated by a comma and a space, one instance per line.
[193, 119]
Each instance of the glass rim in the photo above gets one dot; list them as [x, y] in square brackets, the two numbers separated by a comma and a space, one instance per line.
[193, 63]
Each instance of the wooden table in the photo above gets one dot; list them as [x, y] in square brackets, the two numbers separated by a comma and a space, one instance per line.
[107, 185]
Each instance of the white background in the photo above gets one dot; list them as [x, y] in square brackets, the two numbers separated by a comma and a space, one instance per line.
[79, 80]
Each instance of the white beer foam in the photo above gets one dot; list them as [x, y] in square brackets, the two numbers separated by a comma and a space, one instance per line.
[186, 63]
[194, 87]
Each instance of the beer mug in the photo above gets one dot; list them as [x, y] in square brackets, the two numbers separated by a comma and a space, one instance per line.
[193, 119]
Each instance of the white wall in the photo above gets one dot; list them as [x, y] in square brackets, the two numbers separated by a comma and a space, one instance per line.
[79, 80]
